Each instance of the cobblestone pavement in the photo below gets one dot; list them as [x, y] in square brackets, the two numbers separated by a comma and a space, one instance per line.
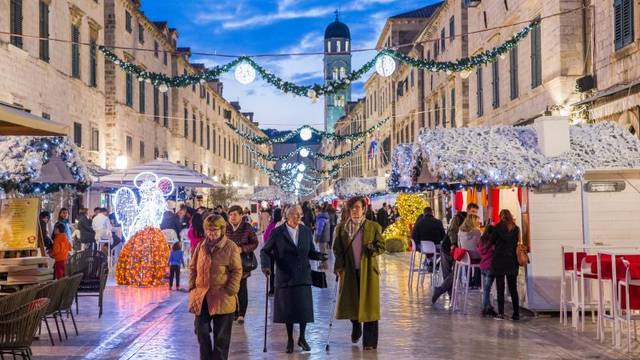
[154, 324]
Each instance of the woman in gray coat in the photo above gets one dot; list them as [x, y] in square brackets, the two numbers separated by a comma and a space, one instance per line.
[291, 247]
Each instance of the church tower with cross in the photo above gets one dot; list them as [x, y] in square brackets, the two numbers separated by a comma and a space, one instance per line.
[337, 63]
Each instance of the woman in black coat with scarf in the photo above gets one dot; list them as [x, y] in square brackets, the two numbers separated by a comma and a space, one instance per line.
[291, 246]
[505, 237]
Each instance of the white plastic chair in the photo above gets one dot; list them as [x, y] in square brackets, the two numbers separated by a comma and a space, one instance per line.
[428, 250]
[463, 270]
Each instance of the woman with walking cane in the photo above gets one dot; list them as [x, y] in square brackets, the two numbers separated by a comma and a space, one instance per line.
[291, 247]
[214, 282]
[358, 242]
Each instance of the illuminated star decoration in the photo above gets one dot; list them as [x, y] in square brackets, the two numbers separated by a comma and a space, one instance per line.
[136, 216]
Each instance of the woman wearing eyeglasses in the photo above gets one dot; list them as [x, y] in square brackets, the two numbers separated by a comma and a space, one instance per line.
[215, 274]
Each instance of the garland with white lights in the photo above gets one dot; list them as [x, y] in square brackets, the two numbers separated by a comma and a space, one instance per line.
[22, 159]
[384, 62]
[305, 132]
[304, 152]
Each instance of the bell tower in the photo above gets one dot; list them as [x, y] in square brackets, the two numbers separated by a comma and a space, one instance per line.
[337, 63]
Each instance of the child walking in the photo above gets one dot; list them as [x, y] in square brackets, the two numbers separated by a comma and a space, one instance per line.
[60, 250]
[176, 261]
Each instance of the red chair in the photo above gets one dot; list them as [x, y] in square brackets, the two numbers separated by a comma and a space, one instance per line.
[628, 300]
[569, 259]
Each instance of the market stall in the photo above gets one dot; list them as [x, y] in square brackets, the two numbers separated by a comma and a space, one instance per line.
[569, 185]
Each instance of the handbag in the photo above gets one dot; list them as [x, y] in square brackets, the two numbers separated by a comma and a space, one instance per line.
[521, 254]
[249, 262]
[319, 279]
[458, 253]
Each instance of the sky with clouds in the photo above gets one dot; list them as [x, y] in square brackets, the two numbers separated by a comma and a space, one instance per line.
[249, 27]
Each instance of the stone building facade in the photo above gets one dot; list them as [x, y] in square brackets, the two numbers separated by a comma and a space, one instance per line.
[110, 113]
[353, 122]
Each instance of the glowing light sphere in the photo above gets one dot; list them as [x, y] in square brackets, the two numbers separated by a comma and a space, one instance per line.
[305, 134]
[163, 88]
[304, 152]
[299, 177]
[245, 74]
[121, 162]
[385, 65]
[302, 167]
[264, 204]
[143, 259]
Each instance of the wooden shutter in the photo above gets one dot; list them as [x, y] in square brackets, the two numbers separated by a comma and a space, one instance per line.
[453, 108]
[93, 64]
[513, 72]
[444, 110]
[44, 31]
[536, 57]
[623, 23]
[129, 89]
[479, 95]
[16, 22]
[186, 123]
[495, 84]
[75, 51]
[165, 110]
[142, 95]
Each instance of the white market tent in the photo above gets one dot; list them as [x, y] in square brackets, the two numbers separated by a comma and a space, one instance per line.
[541, 158]
[180, 175]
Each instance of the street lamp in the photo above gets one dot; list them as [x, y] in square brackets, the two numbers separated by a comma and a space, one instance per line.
[121, 162]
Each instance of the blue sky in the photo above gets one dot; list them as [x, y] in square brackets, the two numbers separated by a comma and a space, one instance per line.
[274, 26]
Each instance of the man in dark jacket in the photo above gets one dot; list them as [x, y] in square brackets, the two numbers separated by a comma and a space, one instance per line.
[45, 216]
[85, 225]
[383, 216]
[171, 221]
[241, 233]
[427, 228]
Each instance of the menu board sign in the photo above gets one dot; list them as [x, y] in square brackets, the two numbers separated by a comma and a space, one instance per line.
[19, 223]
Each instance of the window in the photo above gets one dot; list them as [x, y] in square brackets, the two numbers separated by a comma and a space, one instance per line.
[141, 150]
[338, 46]
[513, 72]
[165, 110]
[208, 98]
[193, 127]
[93, 63]
[95, 139]
[201, 133]
[214, 141]
[46, 116]
[479, 104]
[623, 23]
[156, 49]
[77, 134]
[536, 58]
[452, 119]
[452, 29]
[444, 110]
[129, 89]
[142, 96]
[411, 77]
[435, 49]
[44, 31]
[442, 40]
[140, 33]
[156, 104]
[156, 152]
[186, 123]
[127, 22]
[165, 61]
[495, 84]
[15, 10]
[208, 137]
[75, 51]
[129, 145]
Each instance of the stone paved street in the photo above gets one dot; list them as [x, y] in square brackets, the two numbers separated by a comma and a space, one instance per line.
[155, 324]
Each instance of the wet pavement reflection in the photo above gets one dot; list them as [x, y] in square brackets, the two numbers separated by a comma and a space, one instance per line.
[154, 323]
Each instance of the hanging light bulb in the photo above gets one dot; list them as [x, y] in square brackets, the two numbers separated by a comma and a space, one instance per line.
[305, 134]
[299, 177]
[163, 88]
[302, 167]
[385, 65]
[304, 152]
[245, 73]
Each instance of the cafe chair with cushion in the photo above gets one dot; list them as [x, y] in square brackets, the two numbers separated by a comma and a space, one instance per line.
[18, 328]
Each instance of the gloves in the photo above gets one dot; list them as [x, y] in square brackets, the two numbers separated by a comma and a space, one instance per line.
[266, 272]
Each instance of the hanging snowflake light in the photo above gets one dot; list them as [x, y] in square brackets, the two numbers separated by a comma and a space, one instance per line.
[385, 65]
[245, 73]
[305, 133]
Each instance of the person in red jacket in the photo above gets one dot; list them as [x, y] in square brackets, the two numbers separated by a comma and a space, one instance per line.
[60, 250]
[241, 233]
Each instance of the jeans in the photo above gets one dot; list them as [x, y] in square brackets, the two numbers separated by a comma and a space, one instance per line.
[243, 299]
[221, 334]
[486, 289]
[174, 272]
[512, 284]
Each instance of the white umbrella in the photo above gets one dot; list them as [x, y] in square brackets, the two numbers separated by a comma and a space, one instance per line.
[180, 175]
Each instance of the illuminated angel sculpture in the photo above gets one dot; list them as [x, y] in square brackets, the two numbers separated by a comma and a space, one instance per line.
[134, 216]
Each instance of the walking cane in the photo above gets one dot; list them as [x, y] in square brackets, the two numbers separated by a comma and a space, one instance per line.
[266, 311]
[333, 310]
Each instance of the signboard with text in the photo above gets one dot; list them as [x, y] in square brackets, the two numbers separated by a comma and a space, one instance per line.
[19, 223]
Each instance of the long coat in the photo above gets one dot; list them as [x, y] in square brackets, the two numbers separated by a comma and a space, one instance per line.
[363, 306]
[293, 301]
[505, 260]
[225, 282]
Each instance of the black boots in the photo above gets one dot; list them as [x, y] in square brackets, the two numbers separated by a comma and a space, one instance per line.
[303, 344]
